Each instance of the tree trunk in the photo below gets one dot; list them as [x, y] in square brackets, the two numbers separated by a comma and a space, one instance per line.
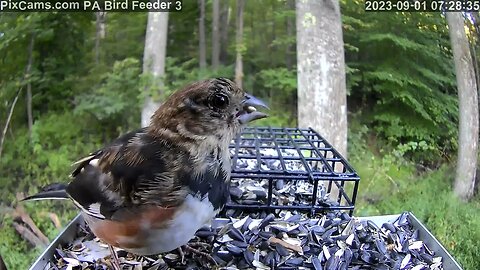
[154, 58]
[100, 18]
[215, 34]
[468, 108]
[322, 102]
[9, 118]
[201, 36]
[289, 59]
[28, 73]
[474, 45]
[224, 22]
[272, 49]
[239, 44]
[2, 264]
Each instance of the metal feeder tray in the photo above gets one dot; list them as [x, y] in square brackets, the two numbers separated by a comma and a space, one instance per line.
[293, 155]
[44, 262]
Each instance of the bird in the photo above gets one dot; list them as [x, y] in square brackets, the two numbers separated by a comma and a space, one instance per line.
[151, 189]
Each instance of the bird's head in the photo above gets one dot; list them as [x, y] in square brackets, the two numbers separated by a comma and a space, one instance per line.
[214, 107]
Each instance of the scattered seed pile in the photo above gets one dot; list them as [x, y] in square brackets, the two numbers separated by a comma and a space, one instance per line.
[291, 241]
[255, 239]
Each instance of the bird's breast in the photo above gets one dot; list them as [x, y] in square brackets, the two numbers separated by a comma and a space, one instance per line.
[153, 233]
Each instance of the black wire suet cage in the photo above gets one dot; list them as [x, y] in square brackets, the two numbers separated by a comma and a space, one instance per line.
[289, 169]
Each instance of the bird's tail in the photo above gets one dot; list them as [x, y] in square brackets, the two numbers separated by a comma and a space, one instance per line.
[50, 192]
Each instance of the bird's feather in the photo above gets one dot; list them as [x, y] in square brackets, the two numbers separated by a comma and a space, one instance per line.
[48, 195]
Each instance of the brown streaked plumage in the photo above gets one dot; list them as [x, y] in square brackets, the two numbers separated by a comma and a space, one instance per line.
[151, 189]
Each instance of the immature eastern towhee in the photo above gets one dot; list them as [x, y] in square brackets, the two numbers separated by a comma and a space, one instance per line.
[150, 190]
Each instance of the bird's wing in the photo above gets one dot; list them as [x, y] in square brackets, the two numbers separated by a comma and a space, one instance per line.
[111, 180]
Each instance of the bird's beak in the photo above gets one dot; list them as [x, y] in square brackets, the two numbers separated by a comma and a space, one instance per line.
[249, 110]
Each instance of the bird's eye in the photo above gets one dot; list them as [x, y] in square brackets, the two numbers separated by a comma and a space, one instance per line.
[219, 101]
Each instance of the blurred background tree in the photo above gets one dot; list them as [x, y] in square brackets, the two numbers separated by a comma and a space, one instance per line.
[468, 108]
[154, 56]
[82, 79]
[322, 92]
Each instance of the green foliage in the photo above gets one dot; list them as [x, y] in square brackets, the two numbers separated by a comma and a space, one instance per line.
[58, 46]
[16, 252]
[178, 74]
[27, 165]
[390, 185]
[279, 85]
[124, 37]
[56, 142]
[269, 34]
[401, 79]
[15, 255]
[116, 100]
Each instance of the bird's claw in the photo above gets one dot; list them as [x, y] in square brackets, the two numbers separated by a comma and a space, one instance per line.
[114, 259]
[182, 255]
[191, 247]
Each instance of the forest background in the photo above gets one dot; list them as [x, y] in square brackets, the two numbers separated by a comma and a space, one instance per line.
[70, 82]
